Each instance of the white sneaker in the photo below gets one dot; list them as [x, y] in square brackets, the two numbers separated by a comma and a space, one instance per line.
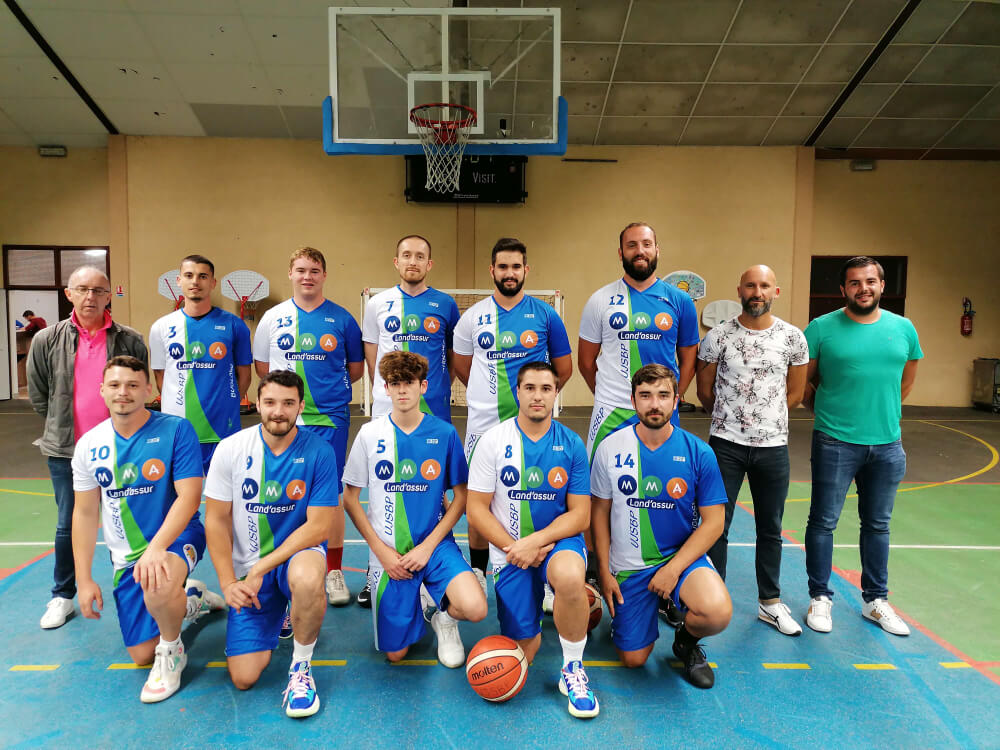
[165, 677]
[819, 616]
[481, 577]
[881, 612]
[780, 616]
[57, 611]
[427, 603]
[336, 589]
[548, 599]
[451, 652]
[200, 601]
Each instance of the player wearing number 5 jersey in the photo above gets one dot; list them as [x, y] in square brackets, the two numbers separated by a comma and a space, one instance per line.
[200, 356]
[142, 471]
[270, 495]
[634, 321]
[321, 342]
[529, 497]
[658, 506]
[495, 338]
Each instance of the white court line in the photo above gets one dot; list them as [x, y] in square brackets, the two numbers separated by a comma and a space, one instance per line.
[959, 547]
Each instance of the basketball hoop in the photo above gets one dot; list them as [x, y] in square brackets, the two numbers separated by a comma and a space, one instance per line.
[444, 131]
[247, 288]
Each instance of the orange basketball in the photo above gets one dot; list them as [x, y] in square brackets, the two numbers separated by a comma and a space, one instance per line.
[496, 668]
[596, 606]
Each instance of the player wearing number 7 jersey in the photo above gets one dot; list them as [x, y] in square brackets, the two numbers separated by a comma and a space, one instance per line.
[321, 342]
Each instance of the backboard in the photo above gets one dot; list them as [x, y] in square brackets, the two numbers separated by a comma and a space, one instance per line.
[502, 62]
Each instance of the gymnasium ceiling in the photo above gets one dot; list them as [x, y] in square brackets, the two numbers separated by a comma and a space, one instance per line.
[906, 78]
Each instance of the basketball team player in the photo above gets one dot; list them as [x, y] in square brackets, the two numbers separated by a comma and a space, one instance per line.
[142, 471]
[407, 460]
[200, 356]
[529, 490]
[495, 338]
[270, 497]
[659, 504]
[410, 317]
[321, 342]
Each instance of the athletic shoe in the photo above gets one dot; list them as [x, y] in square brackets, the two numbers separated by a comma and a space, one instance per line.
[548, 600]
[365, 597]
[337, 592]
[299, 698]
[481, 577]
[669, 612]
[451, 652]
[780, 616]
[697, 670]
[165, 677]
[881, 612]
[286, 625]
[574, 685]
[427, 603]
[819, 616]
[57, 611]
[200, 601]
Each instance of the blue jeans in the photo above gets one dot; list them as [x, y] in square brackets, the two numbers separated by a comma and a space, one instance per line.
[64, 574]
[877, 470]
[767, 470]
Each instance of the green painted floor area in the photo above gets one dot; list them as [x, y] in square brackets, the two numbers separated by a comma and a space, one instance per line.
[29, 510]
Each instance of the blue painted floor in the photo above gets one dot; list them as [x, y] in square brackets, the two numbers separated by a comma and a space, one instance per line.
[368, 703]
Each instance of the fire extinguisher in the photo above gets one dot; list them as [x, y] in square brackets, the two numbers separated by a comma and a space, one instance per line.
[967, 313]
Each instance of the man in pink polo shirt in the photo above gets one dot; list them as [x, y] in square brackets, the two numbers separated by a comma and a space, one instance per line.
[65, 366]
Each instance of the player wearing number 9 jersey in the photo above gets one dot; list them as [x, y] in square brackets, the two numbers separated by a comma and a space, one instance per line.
[658, 506]
[321, 342]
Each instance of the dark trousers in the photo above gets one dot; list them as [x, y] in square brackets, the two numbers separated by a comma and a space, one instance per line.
[767, 470]
[64, 574]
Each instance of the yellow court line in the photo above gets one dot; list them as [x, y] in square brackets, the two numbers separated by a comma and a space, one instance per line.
[129, 666]
[778, 665]
[330, 662]
[599, 663]
[955, 664]
[216, 665]
[27, 492]
[414, 663]
[994, 460]
[34, 667]
[874, 667]
[678, 664]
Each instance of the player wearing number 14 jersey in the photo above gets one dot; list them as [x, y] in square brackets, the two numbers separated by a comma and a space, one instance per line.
[321, 342]
[200, 356]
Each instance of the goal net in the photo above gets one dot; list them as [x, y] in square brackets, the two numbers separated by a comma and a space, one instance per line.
[464, 298]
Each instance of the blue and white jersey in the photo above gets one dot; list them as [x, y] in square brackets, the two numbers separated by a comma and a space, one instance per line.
[529, 480]
[317, 345]
[136, 476]
[270, 494]
[636, 329]
[406, 476]
[655, 494]
[199, 357]
[500, 341]
[424, 324]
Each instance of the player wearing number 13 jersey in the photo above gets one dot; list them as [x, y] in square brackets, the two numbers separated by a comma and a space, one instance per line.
[321, 342]
[634, 321]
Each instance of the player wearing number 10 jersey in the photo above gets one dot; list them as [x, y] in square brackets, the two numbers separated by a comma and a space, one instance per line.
[321, 342]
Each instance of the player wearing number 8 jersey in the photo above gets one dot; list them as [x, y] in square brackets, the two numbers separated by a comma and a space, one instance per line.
[200, 356]
[658, 506]
[321, 342]
[529, 497]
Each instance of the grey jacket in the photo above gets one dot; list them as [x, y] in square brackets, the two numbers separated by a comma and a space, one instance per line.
[50, 377]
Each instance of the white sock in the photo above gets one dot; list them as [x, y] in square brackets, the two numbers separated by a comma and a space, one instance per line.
[572, 650]
[302, 652]
[170, 644]
[443, 615]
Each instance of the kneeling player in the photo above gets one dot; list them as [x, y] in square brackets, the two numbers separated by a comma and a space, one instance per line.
[143, 470]
[650, 483]
[407, 460]
[529, 496]
[270, 495]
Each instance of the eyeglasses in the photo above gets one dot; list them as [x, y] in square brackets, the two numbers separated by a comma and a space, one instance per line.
[97, 291]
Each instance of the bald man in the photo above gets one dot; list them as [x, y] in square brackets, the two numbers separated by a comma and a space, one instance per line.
[751, 370]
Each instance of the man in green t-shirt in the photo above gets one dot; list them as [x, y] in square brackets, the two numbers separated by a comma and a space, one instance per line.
[862, 364]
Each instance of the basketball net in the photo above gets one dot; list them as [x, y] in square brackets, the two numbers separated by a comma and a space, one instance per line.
[444, 132]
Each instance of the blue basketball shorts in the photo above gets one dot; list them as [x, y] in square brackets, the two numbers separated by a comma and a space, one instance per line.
[335, 436]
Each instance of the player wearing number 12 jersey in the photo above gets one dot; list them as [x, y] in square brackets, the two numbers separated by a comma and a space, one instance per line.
[321, 342]
[529, 497]
[200, 356]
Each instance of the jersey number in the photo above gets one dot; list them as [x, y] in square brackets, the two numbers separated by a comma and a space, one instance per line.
[617, 299]
[619, 463]
[285, 321]
[509, 452]
[380, 448]
[100, 453]
[484, 320]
